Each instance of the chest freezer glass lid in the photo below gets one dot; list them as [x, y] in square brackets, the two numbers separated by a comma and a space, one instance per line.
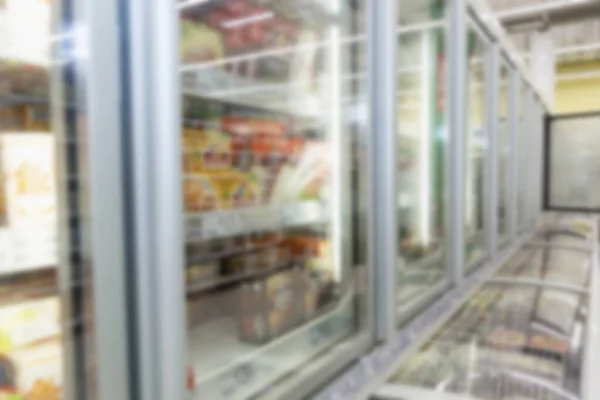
[557, 265]
[504, 343]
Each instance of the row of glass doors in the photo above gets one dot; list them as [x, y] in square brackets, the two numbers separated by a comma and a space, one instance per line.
[236, 199]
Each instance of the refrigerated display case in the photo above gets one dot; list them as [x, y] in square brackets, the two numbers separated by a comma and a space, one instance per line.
[477, 140]
[420, 158]
[267, 172]
[522, 335]
[49, 314]
[31, 353]
[522, 153]
[503, 153]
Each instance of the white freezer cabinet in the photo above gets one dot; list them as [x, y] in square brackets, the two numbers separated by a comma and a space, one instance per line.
[523, 335]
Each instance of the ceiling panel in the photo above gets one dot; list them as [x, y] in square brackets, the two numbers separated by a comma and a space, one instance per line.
[579, 34]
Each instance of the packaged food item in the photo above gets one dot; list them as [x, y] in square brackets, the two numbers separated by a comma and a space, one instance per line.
[28, 205]
[506, 338]
[241, 149]
[27, 323]
[306, 179]
[259, 240]
[549, 343]
[263, 179]
[246, 194]
[44, 389]
[282, 301]
[305, 245]
[24, 79]
[202, 272]
[215, 191]
[206, 150]
[271, 306]
[30, 348]
[13, 118]
[313, 250]
[201, 113]
[230, 190]
[199, 43]
[198, 194]
[272, 257]
[252, 317]
[237, 265]
[311, 290]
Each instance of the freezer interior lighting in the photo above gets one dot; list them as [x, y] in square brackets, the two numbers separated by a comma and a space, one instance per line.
[337, 143]
[252, 19]
[425, 153]
[190, 3]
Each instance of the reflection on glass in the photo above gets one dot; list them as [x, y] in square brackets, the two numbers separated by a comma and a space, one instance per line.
[503, 146]
[522, 161]
[269, 99]
[420, 158]
[476, 143]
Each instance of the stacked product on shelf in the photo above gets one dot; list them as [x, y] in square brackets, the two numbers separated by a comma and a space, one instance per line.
[30, 328]
[255, 170]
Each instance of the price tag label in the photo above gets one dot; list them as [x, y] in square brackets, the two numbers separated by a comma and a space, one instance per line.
[329, 331]
[236, 382]
[303, 213]
[321, 333]
[222, 223]
[238, 378]
[218, 224]
[193, 228]
[265, 218]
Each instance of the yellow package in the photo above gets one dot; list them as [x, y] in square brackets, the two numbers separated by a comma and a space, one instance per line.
[206, 151]
[199, 194]
[247, 192]
[225, 185]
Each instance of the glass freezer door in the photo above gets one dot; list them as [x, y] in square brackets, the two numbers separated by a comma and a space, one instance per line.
[53, 242]
[268, 92]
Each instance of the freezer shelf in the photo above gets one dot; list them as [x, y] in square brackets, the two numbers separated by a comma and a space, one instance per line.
[235, 369]
[224, 223]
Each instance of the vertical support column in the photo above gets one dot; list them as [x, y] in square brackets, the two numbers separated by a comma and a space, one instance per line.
[87, 120]
[528, 171]
[70, 252]
[456, 99]
[541, 146]
[543, 68]
[382, 204]
[153, 155]
[425, 224]
[492, 88]
[537, 180]
[513, 127]
[107, 201]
